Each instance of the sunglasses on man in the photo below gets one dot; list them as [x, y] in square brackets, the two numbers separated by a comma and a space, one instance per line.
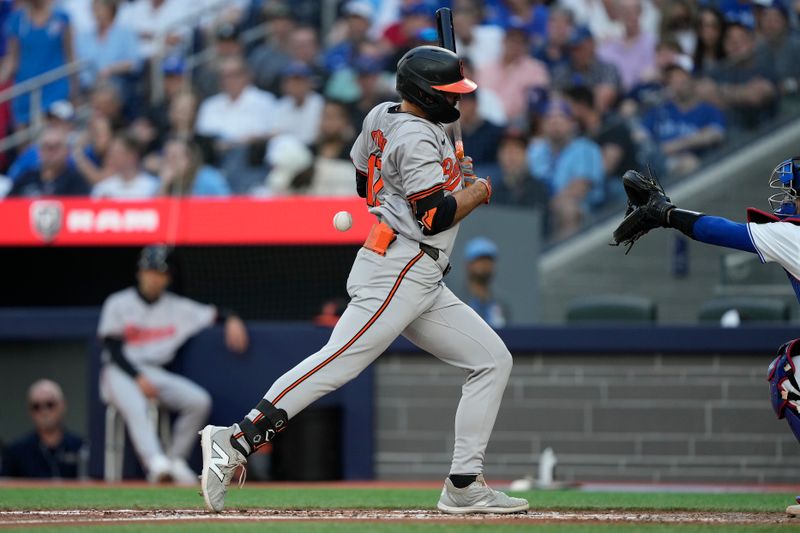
[48, 405]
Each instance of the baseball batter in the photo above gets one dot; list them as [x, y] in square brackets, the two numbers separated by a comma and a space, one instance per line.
[774, 236]
[141, 329]
[407, 171]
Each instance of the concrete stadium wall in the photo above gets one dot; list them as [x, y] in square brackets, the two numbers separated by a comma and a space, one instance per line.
[641, 417]
[666, 403]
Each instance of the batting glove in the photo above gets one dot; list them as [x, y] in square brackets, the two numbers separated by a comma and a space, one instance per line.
[470, 179]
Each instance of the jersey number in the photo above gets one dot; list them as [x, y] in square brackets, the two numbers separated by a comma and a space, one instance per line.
[374, 180]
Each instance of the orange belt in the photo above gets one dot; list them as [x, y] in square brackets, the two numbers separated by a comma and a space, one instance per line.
[380, 237]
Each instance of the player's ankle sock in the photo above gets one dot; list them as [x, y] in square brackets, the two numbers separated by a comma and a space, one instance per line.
[239, 442]
[260, 426]
[462, 480]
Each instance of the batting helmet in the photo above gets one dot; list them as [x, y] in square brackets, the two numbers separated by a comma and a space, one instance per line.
[424, 73]
[155, 257]
[785, 178]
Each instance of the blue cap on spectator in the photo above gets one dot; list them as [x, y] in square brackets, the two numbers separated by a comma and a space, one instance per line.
[580, 35]
[428, 35]
[780, 5]
[297, 69]
[368, 65]
[415, 9]
[743, 19]
[556, 105]
[480, 247]
[173, 65]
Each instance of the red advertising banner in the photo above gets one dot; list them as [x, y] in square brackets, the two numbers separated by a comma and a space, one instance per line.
[242, 220]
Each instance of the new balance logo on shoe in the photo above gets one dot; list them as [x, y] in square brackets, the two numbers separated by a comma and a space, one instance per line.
[218, 457]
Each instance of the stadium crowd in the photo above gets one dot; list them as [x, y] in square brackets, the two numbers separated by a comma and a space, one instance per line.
[571, 92]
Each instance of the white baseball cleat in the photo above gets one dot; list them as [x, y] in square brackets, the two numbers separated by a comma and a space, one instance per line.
[478, 497]
[220, 461]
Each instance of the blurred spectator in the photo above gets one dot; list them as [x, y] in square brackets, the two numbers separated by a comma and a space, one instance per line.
[55, 176]
[110, 49]
[603, 17]
[585, 68]
[336, 132]
[61, 115]
[633, 54]
[50, 451]
[531, 15]
[91, 146]
[515, 186]
[780, 45]
[398, 38]
[291, 165]
[106, 101]
[650, 92]
[267, 60]
[175, 81]
[184, 174]
[126, 179]
[684, 126]
[371, 90]
[745, 84]
[239, 119]
[80, 15]
[480, 136]
[299, 110]
[141, 328]
[515, 73]
[481, 43]
[480, 254]
[39, 39]
[333, 169]
[679, 23]
[357, 15]
[490, 106]
[205, 78]
[554, 51]
[570, 165]
[610, 132]
[710, 50]
[160, 25]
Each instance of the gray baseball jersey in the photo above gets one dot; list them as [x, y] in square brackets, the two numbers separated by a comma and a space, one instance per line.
[406, 157]
[402, 292]
[152, 332]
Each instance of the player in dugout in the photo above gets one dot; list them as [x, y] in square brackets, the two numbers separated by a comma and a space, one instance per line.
[141, 328]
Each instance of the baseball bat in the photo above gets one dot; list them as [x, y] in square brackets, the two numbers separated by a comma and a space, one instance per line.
[447, 39]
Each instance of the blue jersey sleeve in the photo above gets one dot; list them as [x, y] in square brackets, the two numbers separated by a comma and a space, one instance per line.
[723, 232]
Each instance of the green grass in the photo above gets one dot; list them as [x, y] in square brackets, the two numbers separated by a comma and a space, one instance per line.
[317, 527]
[384, 498]
[379, 498]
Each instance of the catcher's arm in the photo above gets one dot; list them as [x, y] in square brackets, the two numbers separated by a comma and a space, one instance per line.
[649, 207]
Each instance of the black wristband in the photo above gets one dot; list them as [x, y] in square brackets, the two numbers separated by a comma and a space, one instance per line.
[683, 220]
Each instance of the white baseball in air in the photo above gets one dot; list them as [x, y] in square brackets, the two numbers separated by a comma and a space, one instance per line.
[342, 221]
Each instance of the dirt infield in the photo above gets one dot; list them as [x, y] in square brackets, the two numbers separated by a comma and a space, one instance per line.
[91, 517]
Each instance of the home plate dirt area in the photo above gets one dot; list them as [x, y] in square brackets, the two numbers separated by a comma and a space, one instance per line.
[91, 517]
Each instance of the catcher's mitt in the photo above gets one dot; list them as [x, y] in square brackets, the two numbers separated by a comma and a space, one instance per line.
[648, 206]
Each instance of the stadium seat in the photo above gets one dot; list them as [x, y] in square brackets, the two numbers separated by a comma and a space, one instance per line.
[751, 309]
[611, 308]
[115, 437]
